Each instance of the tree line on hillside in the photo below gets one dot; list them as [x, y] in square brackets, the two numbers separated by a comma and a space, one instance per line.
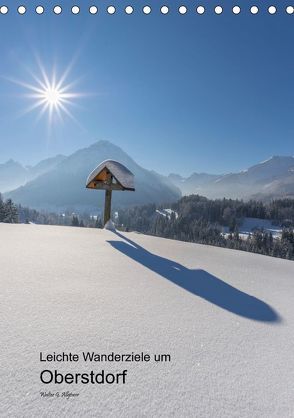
[193, 218]
[12, 213]
[67, 218]
[198, 219]
[229, 212]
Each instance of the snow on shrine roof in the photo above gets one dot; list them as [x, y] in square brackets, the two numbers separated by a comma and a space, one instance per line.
[123, 175]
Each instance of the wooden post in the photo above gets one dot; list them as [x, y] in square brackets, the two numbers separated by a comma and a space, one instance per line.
[107, 204]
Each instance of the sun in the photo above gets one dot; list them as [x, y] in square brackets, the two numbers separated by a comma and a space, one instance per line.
[49, 93]
[53, 96]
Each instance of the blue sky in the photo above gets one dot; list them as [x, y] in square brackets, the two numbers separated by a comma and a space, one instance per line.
[178, 93]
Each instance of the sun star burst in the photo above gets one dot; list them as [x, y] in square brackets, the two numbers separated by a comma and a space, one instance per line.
[51, 95]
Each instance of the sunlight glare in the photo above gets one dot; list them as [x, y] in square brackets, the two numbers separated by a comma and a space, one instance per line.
[53, 96]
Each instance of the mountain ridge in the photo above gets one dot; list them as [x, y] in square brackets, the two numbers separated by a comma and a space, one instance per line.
[273, 177]
[64, 186]
[13, 174]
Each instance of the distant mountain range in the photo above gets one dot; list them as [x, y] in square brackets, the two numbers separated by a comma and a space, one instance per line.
[13, 174]
[58, 183]
[62, 186]
[273, 178]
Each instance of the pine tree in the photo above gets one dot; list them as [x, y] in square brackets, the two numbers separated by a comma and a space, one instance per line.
[98, 223]
[75, 221]
[1, 209]
[9, 213]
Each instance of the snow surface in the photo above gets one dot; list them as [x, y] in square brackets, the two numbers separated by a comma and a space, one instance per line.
[226, 318]
[120, 172]
[249, 224]
[109, 226]
[167, 212]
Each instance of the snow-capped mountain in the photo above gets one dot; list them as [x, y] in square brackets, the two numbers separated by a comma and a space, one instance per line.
[64, 186]
[59, 182]
[269, 179]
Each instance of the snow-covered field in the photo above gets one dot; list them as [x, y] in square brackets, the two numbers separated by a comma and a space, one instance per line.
[225, 317]
[250, 224]
[167, 213]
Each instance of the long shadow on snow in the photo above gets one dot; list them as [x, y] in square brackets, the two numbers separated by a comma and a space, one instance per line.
[200, 283]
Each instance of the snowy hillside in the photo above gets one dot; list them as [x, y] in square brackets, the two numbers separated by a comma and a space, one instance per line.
[225, 317]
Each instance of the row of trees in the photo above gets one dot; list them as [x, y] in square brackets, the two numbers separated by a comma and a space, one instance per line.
[198, 219]
[86, 221]
[11, 213]
[228, 211]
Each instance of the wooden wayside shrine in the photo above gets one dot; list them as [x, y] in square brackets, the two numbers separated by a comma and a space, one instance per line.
[110, 175]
